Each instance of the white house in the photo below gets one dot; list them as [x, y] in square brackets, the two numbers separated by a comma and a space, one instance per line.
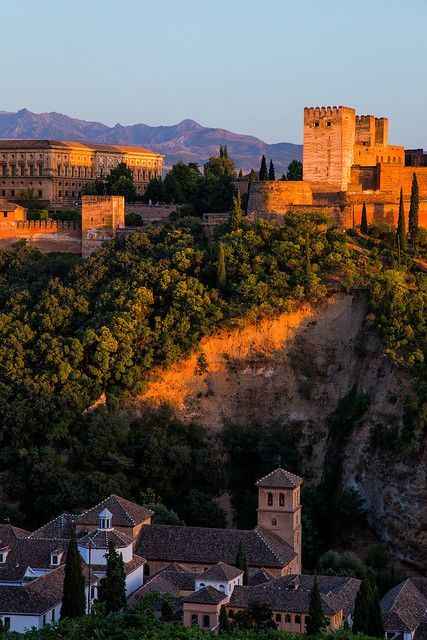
[222, 577]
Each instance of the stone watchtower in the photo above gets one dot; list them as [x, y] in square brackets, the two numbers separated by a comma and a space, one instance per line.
[102, 216]
[329, 137]
[279, 507]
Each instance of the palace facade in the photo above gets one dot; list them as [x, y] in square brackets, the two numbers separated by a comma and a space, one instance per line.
[57, 170]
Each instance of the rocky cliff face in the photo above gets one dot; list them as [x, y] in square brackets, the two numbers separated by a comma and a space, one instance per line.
[297, 367]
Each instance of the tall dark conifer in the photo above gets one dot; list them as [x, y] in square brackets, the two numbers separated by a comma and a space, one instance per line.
[364, 221]
[221, 269]
[271, 171]
[263, 173]
[401, 227]
[224, 621]
[242, 563]
[114, 585]
[361, 607]
[73, 598]
[236, 212]
[375, 626]
[413, 210]
[316, 616]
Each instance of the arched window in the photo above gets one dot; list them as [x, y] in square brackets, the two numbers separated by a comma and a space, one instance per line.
[194, 618]
[270, 499]
[297, 619]
[274, 522]
[202, 585]
[287, 618]
[206, 621]
[278, 617]
[281, 499]
[222, 587]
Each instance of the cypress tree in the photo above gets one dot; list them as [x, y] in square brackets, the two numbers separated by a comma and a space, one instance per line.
[375, 619]
[401, 230]
[240, 174]
[224, 620]
[316, 616]
[413, 210]
[362, 607]
[236, 212]
[364, 221]
[114, 587]
[73, 598]
[221, 275]
[242, 563]
[263, 173]
[271, 171]
[252, 177]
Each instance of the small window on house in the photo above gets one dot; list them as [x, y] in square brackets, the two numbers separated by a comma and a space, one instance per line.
[316, 124]
[53, 615]
[146, 570]
[202, 585]
[92, 593]
[222, 587]
[274, 522]
[287, 618]
[55, 559]
[278, 617]
[2, 555]
[194, 618]
[44, 619]
[40, 193]
[4, 216]
[297, 619]
[281, 499]
[270, 499]
[12, 192]
[328, 124]
[206, 621]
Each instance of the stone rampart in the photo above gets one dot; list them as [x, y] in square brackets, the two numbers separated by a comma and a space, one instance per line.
[47, 235]
[275, 197]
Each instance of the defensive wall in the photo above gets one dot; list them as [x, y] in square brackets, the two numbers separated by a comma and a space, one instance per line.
[46, 235]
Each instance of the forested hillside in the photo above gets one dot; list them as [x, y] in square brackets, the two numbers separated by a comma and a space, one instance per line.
[72, 331]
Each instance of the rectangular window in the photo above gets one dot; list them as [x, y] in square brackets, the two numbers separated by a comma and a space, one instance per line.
[12, 193]
[22, 170]
[13, 169]
[40, 169]
[4, 171]
[1, 555]
[40, 193]
[53, 615]
[31, 169]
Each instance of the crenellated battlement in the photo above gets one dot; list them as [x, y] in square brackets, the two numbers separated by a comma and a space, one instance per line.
[45, 225]
[314, 114]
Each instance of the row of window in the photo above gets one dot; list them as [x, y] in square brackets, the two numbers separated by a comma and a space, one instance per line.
[22, 170]
[270, 499]
[206, 621]
[12, 193]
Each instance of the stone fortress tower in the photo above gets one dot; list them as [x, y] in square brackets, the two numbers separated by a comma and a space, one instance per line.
[279, 508]
[102, 217]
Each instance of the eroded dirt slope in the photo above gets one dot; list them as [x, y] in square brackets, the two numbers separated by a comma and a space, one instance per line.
[296, 368]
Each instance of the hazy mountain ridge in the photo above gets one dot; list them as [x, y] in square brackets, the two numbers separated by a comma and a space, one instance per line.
[188, 140]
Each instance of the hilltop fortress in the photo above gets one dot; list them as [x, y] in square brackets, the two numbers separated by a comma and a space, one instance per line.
[347, 161]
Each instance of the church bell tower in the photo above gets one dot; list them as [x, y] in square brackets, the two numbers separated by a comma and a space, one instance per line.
[279, 507]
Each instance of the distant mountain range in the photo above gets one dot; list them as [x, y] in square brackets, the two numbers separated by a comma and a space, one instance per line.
[187, 141]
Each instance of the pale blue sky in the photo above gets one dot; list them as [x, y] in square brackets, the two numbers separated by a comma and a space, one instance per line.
[249, 66]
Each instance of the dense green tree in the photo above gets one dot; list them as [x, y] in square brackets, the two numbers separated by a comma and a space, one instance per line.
[95, 188]
[236, 214]
[221, 165]
[221, 269]
[73, 598]
[333, 563]
[256, 616]
[113, 591]
[263, 173]
[376, 626]
[364, 221]
[224, 621]
[242, 563]
[180, 183]
[155, 191]
[362, 607]
[119, 182]
[168, 607]
[294, 171]
[271, 171]
[413, 210]
[401, 225]
[316, 616]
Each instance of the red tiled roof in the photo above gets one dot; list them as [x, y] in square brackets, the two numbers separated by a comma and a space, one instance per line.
[5, 145]
[125, 513]
[280, 478]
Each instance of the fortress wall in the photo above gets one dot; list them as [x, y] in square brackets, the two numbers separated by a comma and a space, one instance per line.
[102, 216]
[365, 130]
[276, 196]
[371, 156]
[47, 235]
[381, 131]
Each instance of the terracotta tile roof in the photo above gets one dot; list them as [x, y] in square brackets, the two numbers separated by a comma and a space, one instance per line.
[259, 577]
[101, 538]
[5, 145]
[130, 566]
[207, 595]
[38, 596]
[291, 594]
[60, 527]
[404, 606]
[174, 543]
[220, 571]
[29, 552]
[124, 512]
[280, 478]
[5, 205]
